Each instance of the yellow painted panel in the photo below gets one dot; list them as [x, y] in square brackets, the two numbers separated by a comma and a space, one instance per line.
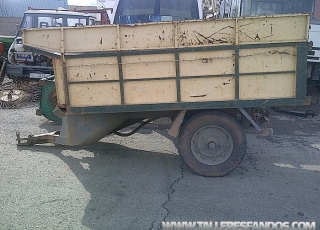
[267, 59]
[178, 35]
[203, 33]
[100, 38]
[267, 86]
[207, 63]
[263, 29]
[147, 36]
[92, 69]
[59, 81]
[45, 39]
[94, 94]
[150, 92]
[148, 66]
[273, 29]
[207, 89]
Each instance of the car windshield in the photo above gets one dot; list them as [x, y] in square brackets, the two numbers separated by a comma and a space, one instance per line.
[145, 10]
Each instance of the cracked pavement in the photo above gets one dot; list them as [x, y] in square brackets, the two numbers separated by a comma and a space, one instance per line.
[139, 181]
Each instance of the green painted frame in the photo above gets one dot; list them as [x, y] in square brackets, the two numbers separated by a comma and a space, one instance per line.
[301, 80]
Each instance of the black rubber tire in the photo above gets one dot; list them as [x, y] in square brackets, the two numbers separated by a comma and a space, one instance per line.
[217, 119]
[48, 102]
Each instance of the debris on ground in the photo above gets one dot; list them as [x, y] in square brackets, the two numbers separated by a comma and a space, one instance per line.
[17, 93]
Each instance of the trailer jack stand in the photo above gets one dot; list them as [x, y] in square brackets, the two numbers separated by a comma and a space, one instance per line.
[37, 139]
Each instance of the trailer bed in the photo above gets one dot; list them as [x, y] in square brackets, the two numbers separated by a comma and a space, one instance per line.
[223, 63]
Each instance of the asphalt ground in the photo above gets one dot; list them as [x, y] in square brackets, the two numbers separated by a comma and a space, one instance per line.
[139, 181]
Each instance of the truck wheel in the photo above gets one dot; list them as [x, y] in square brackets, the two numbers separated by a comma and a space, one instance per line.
[212, 143]
[48, 101]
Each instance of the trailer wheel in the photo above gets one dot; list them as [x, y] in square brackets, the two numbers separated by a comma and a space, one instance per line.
[212, 143]
[48, 101]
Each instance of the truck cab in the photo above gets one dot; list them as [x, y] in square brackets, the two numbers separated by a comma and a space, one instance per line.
[144, 11]
[24, 63]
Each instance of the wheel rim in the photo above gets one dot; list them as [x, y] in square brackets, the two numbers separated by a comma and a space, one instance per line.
[212, 145]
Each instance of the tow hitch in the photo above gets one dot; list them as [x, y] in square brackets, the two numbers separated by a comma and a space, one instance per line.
[37, 139]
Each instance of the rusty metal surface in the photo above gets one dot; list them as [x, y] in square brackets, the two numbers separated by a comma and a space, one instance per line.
[164, 35]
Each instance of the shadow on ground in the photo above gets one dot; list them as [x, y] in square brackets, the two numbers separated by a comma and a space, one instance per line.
[123, 183]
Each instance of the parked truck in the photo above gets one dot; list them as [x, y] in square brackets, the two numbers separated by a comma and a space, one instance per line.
[24, 67]
[211, 77]
[24, 63]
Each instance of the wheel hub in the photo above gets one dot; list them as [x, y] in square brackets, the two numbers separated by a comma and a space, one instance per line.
[212, 145]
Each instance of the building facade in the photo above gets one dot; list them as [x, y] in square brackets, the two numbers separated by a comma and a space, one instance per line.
[16, 8]
[11, 12]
